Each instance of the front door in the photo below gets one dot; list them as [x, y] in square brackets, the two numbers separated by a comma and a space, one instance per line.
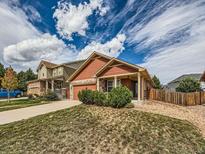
[135, 89]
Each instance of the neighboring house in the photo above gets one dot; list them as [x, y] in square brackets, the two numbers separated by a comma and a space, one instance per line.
[202, 81]
[100, 72]
[52, 77]
[175, 83]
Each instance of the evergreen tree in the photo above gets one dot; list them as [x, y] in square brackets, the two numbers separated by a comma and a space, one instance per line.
[24, 77]
[156, 82]
[188, 85]
[2, 71]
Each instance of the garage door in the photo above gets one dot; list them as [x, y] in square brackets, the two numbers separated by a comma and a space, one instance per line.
[76, 89]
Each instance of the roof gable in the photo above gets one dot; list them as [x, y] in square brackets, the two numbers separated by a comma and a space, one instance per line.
[47, 64]
[86, 62]
[114, 62]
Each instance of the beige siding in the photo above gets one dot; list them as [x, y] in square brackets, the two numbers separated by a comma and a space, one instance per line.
[58, 71]
[49, 73]
[42, 73]
[36, 88]
[33, 88]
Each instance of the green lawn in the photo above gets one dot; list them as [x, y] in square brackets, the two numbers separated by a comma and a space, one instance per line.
[15, 104]
[89, 129]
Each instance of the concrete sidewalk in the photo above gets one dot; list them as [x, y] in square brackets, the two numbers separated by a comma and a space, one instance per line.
[28, 112]
[12, 99]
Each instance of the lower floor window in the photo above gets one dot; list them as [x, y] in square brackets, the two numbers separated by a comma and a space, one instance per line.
[118, 83]
[109, 85]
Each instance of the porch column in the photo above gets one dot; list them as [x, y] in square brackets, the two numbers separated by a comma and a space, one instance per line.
[115, 81]
[71, 91]
[98, 84]
[52, 85]
[138, 83]
[142, 88]
[46, 86]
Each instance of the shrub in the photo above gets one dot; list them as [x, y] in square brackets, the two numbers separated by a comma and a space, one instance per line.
[188, 85]
[99, 98]
[86, 96]
[119, 97]
[33, 96]
[30, 96]
[129, 105]
[51, 96]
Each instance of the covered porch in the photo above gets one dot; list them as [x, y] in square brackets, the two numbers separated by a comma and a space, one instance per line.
[53, 84]
[56, 85]
[43, 86]
[135, 82]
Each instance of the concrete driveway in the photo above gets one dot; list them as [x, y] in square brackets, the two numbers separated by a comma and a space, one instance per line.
[28, 112]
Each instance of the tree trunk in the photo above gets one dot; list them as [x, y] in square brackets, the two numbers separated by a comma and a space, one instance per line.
[8, 95]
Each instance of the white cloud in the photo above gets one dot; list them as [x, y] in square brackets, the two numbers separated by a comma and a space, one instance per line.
[172, 62]
[187, 55]
[14, 26]
[31, 51]
[172, 20]
[22, 45]
[73, 19]
[111, 48]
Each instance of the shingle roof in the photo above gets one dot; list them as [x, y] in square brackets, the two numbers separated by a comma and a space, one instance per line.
[173, 84]
[74, 64]
[195, 76]
[47, 64]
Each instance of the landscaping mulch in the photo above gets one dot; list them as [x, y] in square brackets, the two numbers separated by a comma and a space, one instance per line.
[92, 129]
[193, 114]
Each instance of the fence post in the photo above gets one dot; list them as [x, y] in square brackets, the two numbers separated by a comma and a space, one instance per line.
[200, 97]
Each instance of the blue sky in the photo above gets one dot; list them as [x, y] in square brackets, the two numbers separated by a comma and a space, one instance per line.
[166, 37]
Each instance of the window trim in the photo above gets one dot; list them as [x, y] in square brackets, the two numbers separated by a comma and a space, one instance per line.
[109, 86]
[119, 82]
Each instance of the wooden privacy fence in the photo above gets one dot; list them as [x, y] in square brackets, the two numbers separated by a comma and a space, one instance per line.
[186, 99]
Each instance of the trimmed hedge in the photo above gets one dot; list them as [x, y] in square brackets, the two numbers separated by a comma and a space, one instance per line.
[117, 98]
[99, 98]
[51, 96]
[86, 96]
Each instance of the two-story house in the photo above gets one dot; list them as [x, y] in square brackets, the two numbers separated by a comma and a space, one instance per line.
[98, 72]
[52, 77]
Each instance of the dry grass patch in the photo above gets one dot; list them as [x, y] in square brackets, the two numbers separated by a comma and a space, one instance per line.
[16, 104]
[89, 129]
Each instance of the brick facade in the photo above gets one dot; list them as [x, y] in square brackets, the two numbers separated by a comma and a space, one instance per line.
[99, 69]
[88, 73]
[91, 68]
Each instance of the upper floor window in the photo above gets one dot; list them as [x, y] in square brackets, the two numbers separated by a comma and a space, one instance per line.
[60, 71]
[55, 72]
